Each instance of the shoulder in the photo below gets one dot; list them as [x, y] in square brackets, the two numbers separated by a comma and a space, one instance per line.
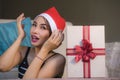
[23, 50]
[57, 58]
[60, 57]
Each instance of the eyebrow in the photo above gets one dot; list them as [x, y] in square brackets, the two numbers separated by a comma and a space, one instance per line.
[43, 24]
[40, 24]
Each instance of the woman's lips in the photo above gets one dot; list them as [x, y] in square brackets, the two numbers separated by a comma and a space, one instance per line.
[34, 38]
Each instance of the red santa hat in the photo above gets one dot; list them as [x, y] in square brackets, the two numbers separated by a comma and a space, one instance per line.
[54, 19]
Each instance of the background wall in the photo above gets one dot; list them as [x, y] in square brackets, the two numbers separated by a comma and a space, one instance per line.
[0, 8]
[79, 12]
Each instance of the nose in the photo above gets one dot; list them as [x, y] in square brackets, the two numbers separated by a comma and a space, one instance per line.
[35, 30]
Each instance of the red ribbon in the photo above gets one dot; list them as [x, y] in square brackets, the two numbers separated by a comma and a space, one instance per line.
[85, 52]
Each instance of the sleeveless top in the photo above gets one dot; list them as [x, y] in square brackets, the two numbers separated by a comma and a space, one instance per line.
[24, 65]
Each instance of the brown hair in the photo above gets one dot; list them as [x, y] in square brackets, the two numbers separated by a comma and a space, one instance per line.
[50, 31]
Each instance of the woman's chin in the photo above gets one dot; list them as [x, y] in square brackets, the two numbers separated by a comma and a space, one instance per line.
[35, 44]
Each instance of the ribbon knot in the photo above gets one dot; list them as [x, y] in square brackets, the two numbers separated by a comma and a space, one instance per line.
[84, 52]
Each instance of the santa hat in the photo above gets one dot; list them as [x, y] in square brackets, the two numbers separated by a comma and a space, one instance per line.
[54, 19]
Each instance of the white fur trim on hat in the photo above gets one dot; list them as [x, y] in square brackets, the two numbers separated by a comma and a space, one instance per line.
[50, 20]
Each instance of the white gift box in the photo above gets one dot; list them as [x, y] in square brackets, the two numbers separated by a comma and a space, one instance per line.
[96, 35]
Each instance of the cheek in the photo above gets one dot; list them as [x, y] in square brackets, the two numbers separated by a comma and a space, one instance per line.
[44, 35]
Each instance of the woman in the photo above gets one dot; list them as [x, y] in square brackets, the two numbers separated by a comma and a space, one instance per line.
[39, 61]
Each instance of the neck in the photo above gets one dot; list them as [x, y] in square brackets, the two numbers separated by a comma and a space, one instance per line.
[37, 49]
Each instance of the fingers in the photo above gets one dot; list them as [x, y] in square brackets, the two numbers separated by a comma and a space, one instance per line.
[20, 18]
[20, 26]
[54, 40]
[57, 36]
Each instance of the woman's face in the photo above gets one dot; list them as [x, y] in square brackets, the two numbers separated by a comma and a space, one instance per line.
[40, 31]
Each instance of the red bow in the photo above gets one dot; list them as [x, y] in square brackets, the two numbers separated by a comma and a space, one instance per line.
[84, 52]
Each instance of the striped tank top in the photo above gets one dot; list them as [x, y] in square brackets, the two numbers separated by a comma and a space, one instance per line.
[24, 65]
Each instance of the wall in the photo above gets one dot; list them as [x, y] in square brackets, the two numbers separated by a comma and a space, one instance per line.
[0, 8]
[79, 12]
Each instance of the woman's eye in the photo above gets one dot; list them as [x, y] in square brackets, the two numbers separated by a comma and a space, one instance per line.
[34, 24]
[43, 27]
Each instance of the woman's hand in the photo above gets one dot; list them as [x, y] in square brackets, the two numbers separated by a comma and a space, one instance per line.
[54, 40]
[20, 27]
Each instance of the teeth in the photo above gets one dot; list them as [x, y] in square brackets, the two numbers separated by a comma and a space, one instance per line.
[34, 37]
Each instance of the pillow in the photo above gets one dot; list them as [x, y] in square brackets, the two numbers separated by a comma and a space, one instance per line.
[9, 33]
[113, 59]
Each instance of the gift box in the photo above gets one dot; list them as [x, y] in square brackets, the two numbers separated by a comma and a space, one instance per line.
[86, 51]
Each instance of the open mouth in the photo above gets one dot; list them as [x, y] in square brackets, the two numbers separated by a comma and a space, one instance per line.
[34, 38]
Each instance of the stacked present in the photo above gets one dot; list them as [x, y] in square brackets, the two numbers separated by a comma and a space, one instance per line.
[86, 51]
